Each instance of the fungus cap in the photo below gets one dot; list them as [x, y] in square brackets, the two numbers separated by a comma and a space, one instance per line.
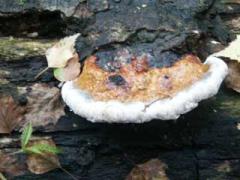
[112, 111]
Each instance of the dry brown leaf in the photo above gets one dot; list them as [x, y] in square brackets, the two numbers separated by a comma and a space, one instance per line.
[44, 105]
[61, 52]
[40, 164]
[11, 114]
[232, 54]
[151, 170]
[232, 1]
[10, 166]
[70, 72]
[232, 51]
[233, 78]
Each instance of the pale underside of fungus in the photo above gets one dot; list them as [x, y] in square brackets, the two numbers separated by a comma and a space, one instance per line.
[129, 89]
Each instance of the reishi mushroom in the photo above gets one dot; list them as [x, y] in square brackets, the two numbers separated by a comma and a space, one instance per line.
[133, 91]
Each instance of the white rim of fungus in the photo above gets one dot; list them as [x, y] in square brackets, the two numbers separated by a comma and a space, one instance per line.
[135, 112]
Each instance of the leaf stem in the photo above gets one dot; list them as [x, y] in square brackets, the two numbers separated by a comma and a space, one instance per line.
[67, 172]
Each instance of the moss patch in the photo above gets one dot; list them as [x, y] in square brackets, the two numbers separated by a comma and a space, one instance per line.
[17, 48]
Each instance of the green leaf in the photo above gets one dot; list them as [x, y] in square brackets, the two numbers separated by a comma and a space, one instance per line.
[42, 148]
[32, 150]
[58, 74]
[26, 135]
[21, 2]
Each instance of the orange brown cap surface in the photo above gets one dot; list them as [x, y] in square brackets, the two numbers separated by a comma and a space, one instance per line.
[137, 81]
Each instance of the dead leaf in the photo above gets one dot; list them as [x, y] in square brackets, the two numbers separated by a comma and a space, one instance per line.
[232, 51]
[44, 105]
[232, 55]
[151, 170]
[40, 164]
[61, 52]
[10, 166]
[11, 114]
[70, 72]
[233, 78]
[232, 1]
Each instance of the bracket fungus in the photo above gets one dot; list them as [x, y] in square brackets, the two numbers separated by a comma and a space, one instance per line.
[136, 88]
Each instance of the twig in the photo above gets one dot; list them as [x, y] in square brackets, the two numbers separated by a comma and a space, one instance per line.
[67, 172]
[2, 177]
[39, 74]
[154, 101]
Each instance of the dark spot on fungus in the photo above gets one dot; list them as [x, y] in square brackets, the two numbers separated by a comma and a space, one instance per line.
[29, 89]
[166, 77]
[140, 63]
[117, 80]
